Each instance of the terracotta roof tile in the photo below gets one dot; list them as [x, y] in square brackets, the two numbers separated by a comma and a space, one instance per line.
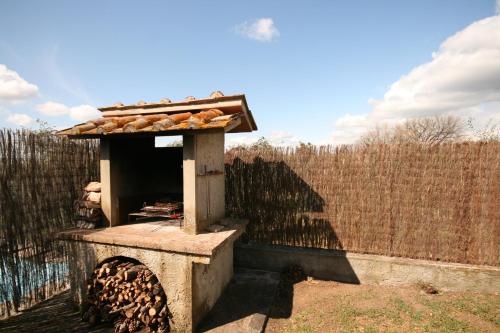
[156, 123]
[230, 113]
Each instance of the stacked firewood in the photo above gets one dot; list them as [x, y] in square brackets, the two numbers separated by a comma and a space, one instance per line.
[128, 295]
[88, 213]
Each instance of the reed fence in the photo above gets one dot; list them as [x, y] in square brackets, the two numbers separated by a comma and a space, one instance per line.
[437, 203]
[40, 176]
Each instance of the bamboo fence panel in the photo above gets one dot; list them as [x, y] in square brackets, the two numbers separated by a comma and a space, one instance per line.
[40, 176]
[437, 203]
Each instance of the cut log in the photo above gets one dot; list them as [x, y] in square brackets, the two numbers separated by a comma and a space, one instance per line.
[151, 283]
[119, 275]
[86, 204]
[131, 292]
[131, 273]
[93, 187]
[94, 197]
[134, 325]
[122, 327]
[132, 312]
[157, 289]
[153, 311]
[123, 308]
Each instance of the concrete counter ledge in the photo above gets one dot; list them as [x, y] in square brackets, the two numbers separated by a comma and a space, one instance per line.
[160, 236]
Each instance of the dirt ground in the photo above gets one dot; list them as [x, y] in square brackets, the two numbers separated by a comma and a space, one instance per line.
[325, 306]
[319, 306]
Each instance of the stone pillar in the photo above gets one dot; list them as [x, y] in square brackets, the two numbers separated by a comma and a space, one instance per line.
[203, 170]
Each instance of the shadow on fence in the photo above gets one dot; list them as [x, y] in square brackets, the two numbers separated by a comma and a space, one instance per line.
[280, 205]
[435, 203]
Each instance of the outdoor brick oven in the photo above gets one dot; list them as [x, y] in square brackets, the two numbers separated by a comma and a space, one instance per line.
[191, 255]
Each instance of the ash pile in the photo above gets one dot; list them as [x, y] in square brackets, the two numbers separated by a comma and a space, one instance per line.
[88, 213]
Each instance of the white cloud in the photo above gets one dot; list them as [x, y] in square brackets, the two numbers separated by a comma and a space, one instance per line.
[84, 112]
[238, 139]
[497, 7]
[465, 72]
[282, 138]
[20, 119]
[80, 113]
[275, 138]
[53, 109]
[349, 128]
[463, 79]
[13, 87]
[262, 30]
[352, 121]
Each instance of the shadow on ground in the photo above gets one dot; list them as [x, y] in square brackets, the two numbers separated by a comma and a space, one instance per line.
[284, 210]
[55, 315]
[283, 301]
[244, 305]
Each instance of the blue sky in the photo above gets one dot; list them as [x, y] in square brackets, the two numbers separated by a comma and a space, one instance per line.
[309, 71]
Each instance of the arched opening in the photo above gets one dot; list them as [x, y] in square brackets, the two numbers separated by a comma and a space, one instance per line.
[125, 293]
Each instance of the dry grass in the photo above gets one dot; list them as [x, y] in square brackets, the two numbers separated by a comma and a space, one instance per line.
[438, 203]
[320, 306]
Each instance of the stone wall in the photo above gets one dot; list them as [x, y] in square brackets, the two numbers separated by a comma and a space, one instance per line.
[370, 269]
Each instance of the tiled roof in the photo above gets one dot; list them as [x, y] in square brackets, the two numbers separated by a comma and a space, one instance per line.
[229, 113]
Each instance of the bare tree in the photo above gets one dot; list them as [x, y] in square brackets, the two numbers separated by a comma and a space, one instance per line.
[427, 130]
[430, 130]
[381, 134]
[489, 132]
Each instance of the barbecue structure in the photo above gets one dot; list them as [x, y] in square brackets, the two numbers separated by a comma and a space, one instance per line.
[133, 171]
[162, 208]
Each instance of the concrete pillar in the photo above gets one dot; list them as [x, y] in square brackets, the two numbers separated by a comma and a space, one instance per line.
[203, 173]
[106, 185]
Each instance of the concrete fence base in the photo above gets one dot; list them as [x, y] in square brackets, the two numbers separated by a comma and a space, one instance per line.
[370, 269]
